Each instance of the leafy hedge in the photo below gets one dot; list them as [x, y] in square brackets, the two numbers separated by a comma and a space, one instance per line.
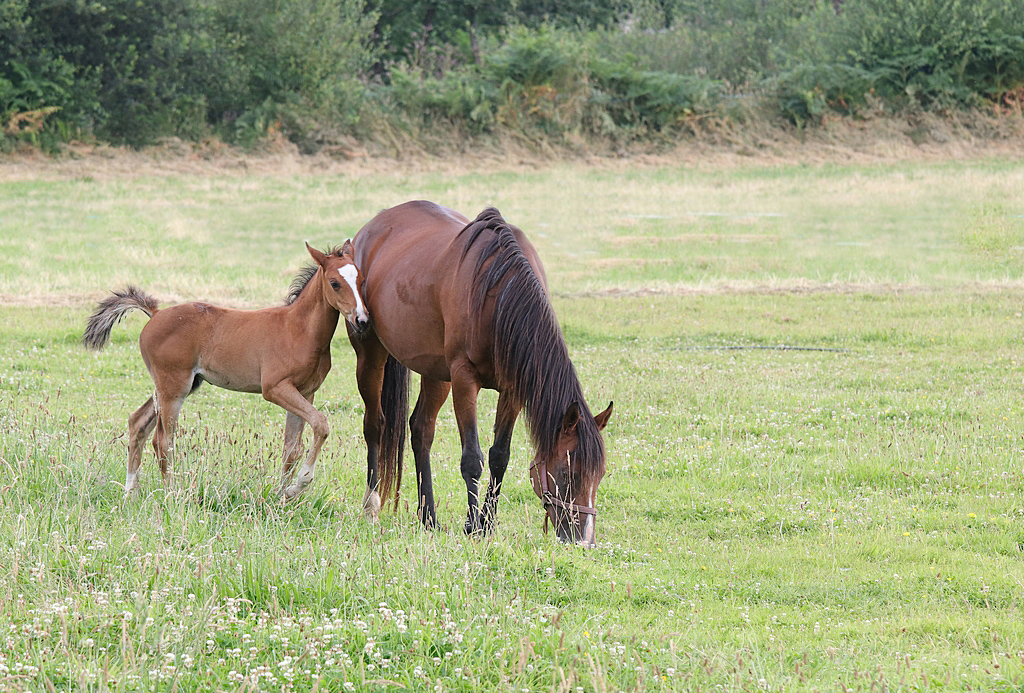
[131, 72]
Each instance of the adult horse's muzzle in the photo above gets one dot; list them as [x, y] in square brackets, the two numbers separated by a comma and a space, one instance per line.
[574, 524]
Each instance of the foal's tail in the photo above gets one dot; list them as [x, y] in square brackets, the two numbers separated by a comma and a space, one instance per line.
[394, 402]
[110, 312]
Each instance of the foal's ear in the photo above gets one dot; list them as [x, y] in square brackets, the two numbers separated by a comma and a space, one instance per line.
[317, 255]
[571, 418]
[602, 418]
[347, 249]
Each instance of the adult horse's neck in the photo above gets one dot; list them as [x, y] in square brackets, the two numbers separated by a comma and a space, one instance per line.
[531, 359]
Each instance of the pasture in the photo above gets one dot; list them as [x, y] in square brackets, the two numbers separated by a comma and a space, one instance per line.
[814, 466]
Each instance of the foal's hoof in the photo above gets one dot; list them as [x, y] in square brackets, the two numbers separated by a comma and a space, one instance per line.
[371, 505]
[292, 491]
[132, 488]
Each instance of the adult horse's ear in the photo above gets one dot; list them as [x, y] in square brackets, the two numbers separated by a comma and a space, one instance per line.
[347, 249]
[602, 418]
[317, 255]
[571, 418]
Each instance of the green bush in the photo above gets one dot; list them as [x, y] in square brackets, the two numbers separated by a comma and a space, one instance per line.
[649, 99]
[547, 83]
[910, 53]
[280, 50]
[416, 101]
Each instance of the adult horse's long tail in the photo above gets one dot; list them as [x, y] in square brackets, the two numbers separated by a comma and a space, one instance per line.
[112, 310]
[394, 402]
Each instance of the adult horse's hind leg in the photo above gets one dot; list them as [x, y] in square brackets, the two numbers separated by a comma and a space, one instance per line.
[293, 426]
[504, 422]
[286, 396]
[433, 393]
[140, 426]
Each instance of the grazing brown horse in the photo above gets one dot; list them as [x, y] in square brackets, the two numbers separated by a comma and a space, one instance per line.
[465, 305]
[282, 352]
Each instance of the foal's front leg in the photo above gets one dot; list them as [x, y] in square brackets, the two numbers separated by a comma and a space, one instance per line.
[286, 396]
[292, 447]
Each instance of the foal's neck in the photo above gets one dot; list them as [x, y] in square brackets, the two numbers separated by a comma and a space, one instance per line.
[313, 308]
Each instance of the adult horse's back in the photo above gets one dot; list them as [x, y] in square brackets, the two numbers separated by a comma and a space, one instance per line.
[465, 305]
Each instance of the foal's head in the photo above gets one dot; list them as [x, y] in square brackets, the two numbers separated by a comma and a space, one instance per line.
[342, 284]
[566, 480]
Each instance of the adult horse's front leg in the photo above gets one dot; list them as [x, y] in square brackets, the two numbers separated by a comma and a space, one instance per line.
[465, 389]
[286, 396]
[497, 459]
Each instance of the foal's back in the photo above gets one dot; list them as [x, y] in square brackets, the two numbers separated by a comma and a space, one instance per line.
[223, 345]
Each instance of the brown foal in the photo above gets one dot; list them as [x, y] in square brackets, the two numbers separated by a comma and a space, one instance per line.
[283, 352]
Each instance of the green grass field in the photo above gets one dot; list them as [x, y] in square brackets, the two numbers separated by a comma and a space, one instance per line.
[815, 462]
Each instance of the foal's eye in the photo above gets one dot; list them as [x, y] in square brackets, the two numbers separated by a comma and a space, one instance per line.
[335, 285]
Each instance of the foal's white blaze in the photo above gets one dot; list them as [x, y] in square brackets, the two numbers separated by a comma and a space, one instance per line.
[349, 274]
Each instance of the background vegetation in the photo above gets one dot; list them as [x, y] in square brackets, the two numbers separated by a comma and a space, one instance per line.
[815, 461]
[431, 73]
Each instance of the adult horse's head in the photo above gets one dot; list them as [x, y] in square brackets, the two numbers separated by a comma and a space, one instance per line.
[342, 284]
[566, 478]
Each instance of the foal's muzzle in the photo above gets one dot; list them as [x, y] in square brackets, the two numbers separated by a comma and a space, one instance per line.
[360, 324]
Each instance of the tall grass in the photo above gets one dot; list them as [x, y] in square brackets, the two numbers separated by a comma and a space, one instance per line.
[814, 461]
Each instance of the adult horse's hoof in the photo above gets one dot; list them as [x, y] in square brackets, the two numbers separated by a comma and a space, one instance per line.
[429, 520]
[473, 526]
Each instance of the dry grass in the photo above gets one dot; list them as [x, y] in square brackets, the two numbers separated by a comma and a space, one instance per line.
[720, 145]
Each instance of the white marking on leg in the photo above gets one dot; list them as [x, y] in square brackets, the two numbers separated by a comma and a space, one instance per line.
[371, 505]
[349, 273]
[302, 480]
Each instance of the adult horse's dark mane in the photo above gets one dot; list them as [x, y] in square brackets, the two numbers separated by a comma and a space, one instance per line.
[531, 359]
[305, 276]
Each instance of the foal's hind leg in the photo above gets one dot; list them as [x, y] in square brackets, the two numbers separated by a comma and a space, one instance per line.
[286, 396]
[167, 426]
[172, 387]
[292, 447]
[140, 426]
